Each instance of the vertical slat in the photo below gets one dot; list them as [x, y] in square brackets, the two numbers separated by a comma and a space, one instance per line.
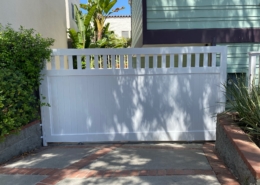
[79, 62]
[188, 60]
[130, 62]
[214, 57]
[53, 63]
[197, 60]
[155, 61]
[45, 64]
[171, 61]
[146, 61]
[104, 61]
[163, 61]
[252, 66]
[70, 62]
[205, 62]
[113, 61]
[180, 62]
[138, 61]
[122, 66]
[96, 61]
[61, 61]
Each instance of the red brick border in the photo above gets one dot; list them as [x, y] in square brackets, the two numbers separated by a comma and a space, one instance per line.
[158, 147]
[248, 151]
[75, 170]
[224, 176]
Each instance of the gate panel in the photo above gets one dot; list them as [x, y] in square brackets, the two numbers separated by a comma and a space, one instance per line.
[141, 104]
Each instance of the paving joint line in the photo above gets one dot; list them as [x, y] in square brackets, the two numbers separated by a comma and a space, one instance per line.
[159, 147]
[75, 167]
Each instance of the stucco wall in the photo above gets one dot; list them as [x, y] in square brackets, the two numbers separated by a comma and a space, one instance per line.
[48, 17]
[119, 24]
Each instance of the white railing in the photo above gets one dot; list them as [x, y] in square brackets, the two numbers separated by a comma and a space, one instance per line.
[254, 57]
[136, 58]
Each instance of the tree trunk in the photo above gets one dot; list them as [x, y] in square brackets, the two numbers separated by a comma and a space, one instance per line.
[99, 35]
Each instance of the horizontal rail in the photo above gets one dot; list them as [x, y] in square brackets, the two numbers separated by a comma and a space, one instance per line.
[137, 58]
[136, 51]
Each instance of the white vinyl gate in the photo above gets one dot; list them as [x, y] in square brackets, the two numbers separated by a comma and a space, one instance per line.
[134, 94]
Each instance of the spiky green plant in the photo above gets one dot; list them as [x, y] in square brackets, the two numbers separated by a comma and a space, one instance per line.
[247, 103]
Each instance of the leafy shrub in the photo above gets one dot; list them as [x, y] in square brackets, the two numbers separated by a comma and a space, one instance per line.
[247, 104]
[24, 51]
[21, 60]
[17, 103]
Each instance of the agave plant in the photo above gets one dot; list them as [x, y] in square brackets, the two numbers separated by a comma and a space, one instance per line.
[247, 103]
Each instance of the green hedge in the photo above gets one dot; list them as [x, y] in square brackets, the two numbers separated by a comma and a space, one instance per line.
[21, 60]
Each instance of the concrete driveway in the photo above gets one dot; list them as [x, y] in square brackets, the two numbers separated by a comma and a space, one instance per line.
[161, 163]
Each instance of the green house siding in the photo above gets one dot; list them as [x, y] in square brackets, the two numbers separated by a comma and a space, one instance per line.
[238, 60]
[202, 14]
[137, 23]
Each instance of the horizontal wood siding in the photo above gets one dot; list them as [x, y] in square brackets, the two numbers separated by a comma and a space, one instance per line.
[202, 14]
[137, 23]
[237, 57]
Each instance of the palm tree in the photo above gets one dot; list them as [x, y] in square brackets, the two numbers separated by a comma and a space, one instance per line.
[102, 10]
[81, 38]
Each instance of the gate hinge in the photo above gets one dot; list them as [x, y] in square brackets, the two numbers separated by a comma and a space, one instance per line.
[41, 137]
[40, 125]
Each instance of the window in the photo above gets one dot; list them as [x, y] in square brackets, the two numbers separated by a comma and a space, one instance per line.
[125, 34]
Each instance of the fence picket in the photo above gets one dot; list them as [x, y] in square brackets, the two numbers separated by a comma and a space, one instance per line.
[121, 58]
[163, 61]
[70, 62]
[61, 61]
[214, 56]
[189, 60]
[205, 61]
[171, 61]
[138, 61]
[130, 62]
[146, 61]
[155, 57]
[53, 63]
[180, 62]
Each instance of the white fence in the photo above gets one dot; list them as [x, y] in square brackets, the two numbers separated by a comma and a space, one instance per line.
[144, 94]
[254, 63]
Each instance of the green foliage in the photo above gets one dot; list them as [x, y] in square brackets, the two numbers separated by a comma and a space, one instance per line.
[18, 105]
[21, 60]
[24, 51]
[246, 103]
[110, 40]
[92, 30]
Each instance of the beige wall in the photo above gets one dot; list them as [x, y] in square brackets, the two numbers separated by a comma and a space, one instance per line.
[119, 24]
[48, 17]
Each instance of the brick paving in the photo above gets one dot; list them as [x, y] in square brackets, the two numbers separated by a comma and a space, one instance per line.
[76, 170]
